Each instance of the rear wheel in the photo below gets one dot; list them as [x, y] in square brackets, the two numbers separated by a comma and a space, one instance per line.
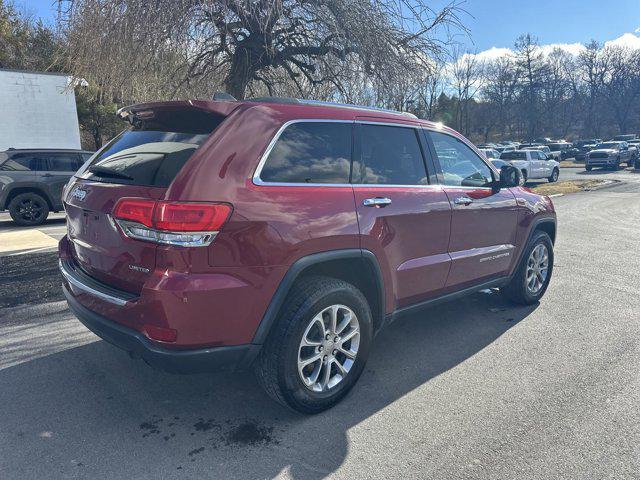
[28, 209]
[318, 348]
[531, 279]
[554, 176]
[588, 168]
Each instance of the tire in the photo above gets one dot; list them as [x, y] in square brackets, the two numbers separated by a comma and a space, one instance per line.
[277, 366]
[518, 290]
[28, 209]
[554, 176]
[588, 168]
[524, 177]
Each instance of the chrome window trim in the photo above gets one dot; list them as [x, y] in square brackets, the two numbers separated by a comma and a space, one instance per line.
[258, 181]
[87, 289]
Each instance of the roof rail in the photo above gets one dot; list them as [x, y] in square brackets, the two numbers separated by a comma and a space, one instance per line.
[321, 103]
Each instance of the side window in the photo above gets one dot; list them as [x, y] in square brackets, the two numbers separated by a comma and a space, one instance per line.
[25, 162]
[389, 156]
[461, 167]
[63, 162]
[310, 153]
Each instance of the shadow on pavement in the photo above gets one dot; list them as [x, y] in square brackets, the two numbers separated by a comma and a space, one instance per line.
[92, 412]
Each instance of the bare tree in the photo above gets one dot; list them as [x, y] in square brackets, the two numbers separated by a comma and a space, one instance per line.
[242, 44]
[466, 80]
[530, 62]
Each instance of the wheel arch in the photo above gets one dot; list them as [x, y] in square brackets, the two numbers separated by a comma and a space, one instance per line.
[15, 191]
[359, 267]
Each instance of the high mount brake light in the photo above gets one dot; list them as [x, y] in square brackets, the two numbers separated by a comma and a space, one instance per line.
[174, 223]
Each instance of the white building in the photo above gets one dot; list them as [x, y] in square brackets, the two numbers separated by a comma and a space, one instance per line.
[37, 110]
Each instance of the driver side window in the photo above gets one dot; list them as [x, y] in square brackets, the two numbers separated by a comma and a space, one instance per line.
[461, 167]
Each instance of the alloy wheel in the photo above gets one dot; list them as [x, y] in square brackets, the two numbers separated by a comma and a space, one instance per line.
[537, 269]
[328, 348]
[30, 210]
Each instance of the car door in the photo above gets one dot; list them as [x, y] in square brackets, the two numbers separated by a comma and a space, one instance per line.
[60, 168]
[545, 165]
[403, 214]
[484, 220]
[537, 164]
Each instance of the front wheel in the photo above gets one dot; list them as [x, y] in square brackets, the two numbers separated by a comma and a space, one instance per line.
[531, 279]
[319, 346]
[554, 176]
[524, 177]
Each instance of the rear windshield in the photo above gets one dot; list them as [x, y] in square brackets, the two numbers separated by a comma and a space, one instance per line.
[514, 155]
[150, 153]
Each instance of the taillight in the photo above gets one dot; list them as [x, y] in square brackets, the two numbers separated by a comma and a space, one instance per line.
[174, 223]
[190, 217]
[136, 210]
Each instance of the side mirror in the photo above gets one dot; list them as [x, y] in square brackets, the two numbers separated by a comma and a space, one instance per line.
[509, 177]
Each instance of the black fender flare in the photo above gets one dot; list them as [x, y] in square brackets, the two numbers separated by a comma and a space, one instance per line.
[299, 266]
[532, 229]
[35, 187]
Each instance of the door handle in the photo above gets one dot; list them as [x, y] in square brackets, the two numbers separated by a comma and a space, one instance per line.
[377, 202]
[463, 201]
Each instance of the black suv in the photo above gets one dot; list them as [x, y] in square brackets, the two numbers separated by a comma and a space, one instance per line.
[31, 181]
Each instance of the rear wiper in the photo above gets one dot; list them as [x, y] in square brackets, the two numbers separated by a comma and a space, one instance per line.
[108, 172]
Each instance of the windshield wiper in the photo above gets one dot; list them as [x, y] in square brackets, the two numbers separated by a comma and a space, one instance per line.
[108, 172]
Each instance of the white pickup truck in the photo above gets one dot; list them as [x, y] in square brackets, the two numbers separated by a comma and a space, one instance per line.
[533, 164]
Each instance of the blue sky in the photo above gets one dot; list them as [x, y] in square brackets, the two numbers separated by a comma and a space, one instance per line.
[497, 23]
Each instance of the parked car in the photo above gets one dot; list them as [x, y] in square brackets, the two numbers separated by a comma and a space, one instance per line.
[547, 151]
[543, 140]
[533, 164]
[31, 181]
[237, 241]
[490, 153]
[524, 146]
[625, 138]
[505, 148]
[562, 150]
[634, 148]
[585, 146]
[609, 155]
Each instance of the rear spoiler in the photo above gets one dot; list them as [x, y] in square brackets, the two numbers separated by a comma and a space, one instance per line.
[148, 111]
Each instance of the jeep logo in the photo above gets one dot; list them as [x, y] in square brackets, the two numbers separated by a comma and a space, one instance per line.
[78, 193]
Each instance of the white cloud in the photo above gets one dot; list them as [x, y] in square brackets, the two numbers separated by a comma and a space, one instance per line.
[629, 40]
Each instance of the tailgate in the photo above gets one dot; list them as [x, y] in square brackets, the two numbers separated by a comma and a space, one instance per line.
[97, 245]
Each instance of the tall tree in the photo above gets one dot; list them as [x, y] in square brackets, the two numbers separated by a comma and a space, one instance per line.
[240, 44]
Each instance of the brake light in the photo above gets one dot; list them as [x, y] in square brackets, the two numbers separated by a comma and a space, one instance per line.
[175, 223]
[135, 209]
[190, 217]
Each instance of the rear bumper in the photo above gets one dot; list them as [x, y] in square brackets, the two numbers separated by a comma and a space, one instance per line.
[170, 360]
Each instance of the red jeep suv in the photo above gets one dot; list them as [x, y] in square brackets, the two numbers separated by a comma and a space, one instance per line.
[283, 234]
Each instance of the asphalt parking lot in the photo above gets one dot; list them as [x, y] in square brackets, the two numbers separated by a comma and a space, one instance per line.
[471, 389]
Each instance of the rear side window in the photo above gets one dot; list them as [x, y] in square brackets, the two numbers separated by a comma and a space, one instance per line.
[24, 162]
[64, 162]
[460, 165]
[389, 156]
[153, 151]
[309, 152]
[514, 155]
